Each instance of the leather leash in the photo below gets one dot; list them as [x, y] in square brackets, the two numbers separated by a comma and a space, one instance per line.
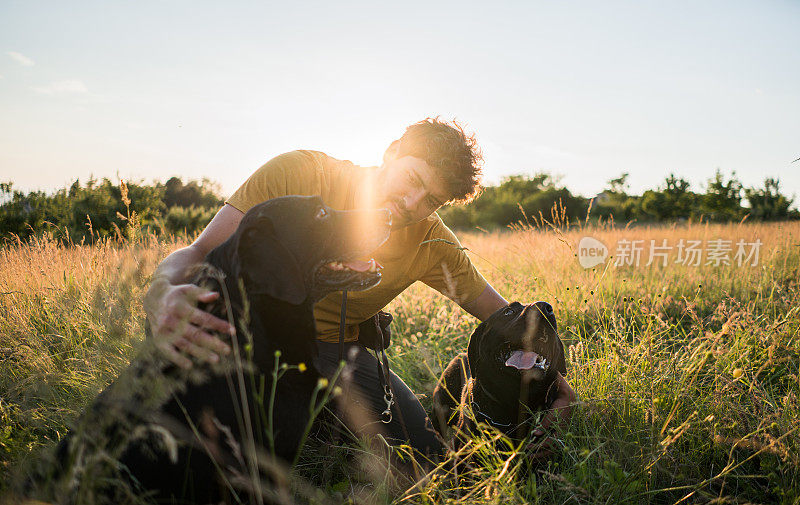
[383, 363]
[383, 369]
[342, 314]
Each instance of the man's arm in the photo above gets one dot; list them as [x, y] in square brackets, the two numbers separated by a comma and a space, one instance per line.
[171, 304]
[487, 303]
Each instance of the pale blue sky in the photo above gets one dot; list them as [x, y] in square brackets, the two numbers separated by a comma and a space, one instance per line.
[583, 89]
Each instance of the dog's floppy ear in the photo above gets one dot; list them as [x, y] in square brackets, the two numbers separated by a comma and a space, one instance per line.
[473, 348]
[267, 267]
[561, 362]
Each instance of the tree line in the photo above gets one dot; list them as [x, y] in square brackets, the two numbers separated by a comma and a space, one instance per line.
[540, 199]
[101, 208]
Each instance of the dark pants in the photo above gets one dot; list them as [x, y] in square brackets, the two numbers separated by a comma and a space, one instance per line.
[361, 374]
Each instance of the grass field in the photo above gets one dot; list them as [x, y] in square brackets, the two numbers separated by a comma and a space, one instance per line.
[688, 375]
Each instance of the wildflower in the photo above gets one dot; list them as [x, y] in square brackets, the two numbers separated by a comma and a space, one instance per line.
[738, 372]
[302, 367]
[322, 382]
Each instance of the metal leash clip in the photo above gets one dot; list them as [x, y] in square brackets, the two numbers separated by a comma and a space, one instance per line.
[386, 415]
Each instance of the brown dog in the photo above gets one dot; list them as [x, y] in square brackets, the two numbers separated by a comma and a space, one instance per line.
[507, 374]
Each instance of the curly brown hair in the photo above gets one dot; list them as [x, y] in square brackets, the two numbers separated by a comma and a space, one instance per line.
[453, 155]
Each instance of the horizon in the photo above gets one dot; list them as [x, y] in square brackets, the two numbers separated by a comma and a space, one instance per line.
[553, 178]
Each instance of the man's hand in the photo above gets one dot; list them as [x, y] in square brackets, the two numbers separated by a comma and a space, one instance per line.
[179, 328]
[555, 419]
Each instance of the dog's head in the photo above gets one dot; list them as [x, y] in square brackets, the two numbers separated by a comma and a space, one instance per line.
[297, 249]
[516, 342]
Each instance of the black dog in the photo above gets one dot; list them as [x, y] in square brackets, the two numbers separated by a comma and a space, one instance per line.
[506, 375]
[191, 436]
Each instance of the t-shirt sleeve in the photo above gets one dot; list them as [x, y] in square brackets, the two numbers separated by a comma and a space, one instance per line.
[292, 173]
[449, 269]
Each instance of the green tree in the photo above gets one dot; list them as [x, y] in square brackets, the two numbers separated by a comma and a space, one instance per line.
[614, 201]
[674, 200]
[204, 193]
[768, 203]
[86, 212]
[516, 199]
[619, 185]
[100, 210]
[22, 214]
[187, 219]
[723, 198]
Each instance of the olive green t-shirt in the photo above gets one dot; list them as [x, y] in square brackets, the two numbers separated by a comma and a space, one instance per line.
[440, 264]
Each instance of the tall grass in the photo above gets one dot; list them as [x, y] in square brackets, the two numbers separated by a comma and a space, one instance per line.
[688, 376]
[70, 320]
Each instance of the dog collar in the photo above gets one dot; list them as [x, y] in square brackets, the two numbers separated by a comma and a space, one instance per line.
[487, 419]
[487, 393]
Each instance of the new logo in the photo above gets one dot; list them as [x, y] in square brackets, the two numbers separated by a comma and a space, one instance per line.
[591, 252]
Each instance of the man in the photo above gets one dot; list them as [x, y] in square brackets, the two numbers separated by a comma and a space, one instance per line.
[434, 163]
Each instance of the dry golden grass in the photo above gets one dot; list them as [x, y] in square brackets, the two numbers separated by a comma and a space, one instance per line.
[688, 376]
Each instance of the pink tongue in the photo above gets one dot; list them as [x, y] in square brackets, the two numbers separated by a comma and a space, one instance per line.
[357, 265]
[522, 360]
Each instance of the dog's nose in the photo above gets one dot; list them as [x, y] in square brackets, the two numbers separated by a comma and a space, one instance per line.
[545, 307]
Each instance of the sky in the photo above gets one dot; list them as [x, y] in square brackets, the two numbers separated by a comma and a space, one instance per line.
[584, 90]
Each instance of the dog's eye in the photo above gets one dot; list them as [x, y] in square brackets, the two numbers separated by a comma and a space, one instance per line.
[321, 213]
[509, 311]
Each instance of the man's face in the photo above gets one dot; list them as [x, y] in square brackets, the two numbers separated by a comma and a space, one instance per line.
[410, 189]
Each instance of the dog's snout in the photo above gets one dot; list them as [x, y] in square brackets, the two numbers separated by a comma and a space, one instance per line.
[545, 307]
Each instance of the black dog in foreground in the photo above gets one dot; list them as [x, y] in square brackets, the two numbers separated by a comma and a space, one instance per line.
[507, 374]
[194, 436]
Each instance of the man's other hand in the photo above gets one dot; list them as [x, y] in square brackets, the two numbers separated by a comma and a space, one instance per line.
[555, 421]
[179, 328]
